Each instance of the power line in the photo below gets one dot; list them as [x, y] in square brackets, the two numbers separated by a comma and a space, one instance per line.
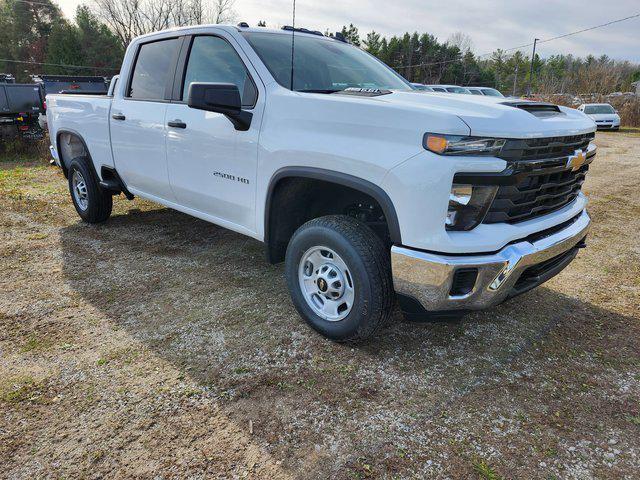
[591, 28]
[57, 64]
[529, 44]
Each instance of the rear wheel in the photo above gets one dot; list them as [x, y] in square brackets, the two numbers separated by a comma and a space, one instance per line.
[339, 277]
[92, 203]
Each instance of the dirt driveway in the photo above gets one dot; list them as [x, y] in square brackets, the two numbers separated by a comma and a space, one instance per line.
[157, 345]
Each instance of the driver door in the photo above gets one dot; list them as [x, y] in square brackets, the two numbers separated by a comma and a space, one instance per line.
[212, 166]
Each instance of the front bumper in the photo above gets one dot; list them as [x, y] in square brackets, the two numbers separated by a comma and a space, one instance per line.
[428, 279]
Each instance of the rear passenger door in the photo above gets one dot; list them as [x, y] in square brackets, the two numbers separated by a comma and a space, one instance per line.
[137, 119]
[212, 166]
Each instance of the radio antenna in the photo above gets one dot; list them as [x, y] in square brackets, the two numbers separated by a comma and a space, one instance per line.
[293, 41]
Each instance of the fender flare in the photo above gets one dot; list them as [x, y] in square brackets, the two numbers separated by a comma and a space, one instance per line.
[356, 183]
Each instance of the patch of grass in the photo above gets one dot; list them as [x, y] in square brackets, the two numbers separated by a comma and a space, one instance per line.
[124, 356]
[635, 419]
[20, 390]
[191, 392]
[482, 468]
[362, 469]
[38, 236]
[35, 343]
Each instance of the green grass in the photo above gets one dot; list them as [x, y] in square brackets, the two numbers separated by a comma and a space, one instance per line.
[34, 344]
[19, 390]
[484, 471]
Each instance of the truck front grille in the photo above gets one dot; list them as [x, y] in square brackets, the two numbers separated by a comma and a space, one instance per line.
[545, 148]
[535, 194]
[537, 180]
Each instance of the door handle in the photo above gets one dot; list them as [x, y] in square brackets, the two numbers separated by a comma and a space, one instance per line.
[177, 124]
[118, 116]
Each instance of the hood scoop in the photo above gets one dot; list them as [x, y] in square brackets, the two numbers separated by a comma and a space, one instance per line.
[537, 109]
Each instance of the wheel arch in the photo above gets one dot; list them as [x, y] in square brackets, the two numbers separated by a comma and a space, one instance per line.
[72, 150]
[332, 177]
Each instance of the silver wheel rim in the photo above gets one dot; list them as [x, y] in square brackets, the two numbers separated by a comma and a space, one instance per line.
[326, 283]
[79, 190]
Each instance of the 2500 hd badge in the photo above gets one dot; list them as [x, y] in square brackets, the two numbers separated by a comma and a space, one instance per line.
[233, 178]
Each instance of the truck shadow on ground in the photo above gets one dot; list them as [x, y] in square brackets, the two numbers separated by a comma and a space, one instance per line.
[205, 299]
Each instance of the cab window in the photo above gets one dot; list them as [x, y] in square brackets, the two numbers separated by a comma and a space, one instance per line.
[153, 69]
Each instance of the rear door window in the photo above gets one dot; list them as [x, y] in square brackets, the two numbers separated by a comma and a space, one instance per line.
[214, 60]
[153, 69]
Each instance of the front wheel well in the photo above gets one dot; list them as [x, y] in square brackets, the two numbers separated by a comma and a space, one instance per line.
[294, 200]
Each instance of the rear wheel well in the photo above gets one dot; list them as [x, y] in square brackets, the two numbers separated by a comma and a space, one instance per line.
[295, 200]
[70, 146]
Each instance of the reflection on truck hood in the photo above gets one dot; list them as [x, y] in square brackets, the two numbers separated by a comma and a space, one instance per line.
[494, 116]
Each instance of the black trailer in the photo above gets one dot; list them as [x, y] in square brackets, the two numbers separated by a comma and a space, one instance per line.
[20, 108]
[80, 84]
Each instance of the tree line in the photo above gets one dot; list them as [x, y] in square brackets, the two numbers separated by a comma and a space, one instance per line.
[38, 32]
[36, 38]
[422, 58]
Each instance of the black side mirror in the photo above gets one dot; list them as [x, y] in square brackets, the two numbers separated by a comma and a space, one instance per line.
[220, 98]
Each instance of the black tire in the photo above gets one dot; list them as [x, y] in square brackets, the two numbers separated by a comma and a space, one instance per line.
[369, 266]
[98, 202]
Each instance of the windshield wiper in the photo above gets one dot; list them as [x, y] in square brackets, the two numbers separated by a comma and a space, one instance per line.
[319, 91]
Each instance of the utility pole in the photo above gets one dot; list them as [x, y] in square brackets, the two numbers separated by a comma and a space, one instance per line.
[533, 58]
[515, 79]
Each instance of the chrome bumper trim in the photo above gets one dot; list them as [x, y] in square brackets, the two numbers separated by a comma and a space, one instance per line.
[427, 277]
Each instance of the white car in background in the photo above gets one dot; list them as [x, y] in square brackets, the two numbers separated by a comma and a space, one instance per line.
[449, 89]
[605, 116]
[422, 87]
[486, 91]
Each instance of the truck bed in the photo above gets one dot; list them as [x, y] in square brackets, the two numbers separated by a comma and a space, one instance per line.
[87, 115]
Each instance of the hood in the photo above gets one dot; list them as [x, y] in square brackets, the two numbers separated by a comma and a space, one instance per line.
[493, 116]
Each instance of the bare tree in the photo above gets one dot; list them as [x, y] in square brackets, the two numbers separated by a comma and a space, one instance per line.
[131, 18]
[223, 11]
[462, 41]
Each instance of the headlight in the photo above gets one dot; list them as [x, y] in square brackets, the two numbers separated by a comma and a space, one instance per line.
[468, 204]
[460, 145]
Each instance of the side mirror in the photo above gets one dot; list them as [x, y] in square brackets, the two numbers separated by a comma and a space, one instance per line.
[220, 98]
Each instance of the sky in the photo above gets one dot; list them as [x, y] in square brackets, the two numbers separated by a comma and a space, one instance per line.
[491, 24]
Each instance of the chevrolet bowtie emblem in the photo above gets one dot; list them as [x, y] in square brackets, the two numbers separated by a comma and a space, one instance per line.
[576, 160]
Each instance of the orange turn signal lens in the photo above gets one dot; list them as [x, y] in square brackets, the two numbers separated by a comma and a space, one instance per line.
[436, 143]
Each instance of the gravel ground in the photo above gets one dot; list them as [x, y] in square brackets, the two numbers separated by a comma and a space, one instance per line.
[160, 346]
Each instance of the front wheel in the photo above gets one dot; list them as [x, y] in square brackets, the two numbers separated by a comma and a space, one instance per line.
[339, 277]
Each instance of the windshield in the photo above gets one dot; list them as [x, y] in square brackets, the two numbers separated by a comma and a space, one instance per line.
[596, 109]
[491, 92]
[321, 64]
[458, 90]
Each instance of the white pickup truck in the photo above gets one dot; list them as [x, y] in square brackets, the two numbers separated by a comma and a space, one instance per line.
[371, 192]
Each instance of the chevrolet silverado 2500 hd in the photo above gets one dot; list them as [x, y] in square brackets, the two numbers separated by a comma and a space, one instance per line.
[368, 190]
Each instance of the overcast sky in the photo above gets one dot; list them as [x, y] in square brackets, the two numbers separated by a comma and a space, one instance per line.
[490, 23]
